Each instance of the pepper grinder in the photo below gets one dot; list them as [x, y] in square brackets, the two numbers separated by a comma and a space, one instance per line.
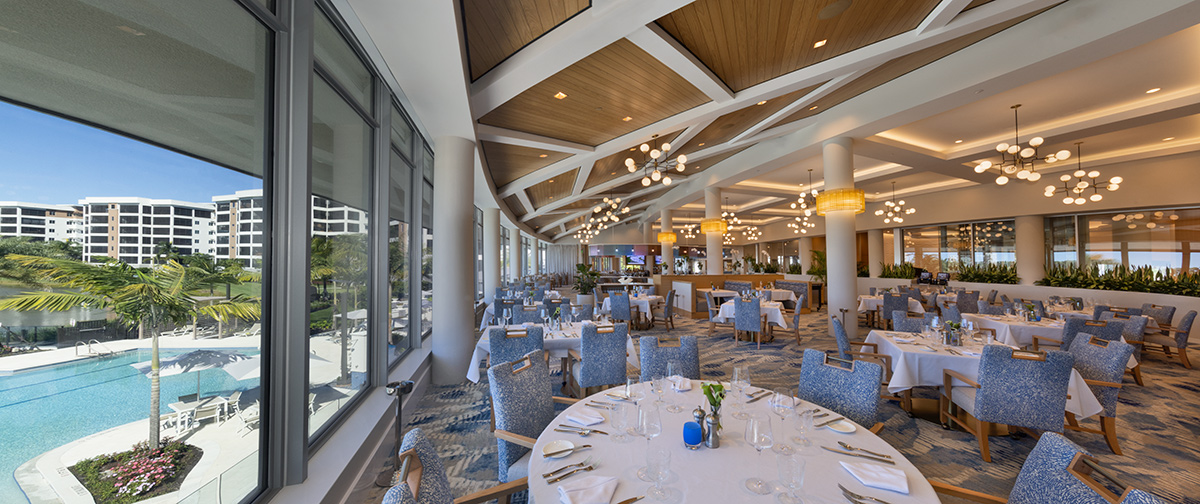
[699, 415]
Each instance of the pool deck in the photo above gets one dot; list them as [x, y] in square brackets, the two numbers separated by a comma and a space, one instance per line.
[15, 363]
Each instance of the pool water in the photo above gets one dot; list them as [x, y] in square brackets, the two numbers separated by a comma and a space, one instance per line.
[44, 408]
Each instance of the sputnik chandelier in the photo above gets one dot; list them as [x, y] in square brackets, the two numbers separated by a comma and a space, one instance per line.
[805, 204]
[657, 167]
[1019, 161]
[731, 219]
[895, 210]
[752, 233]
[603, 216]
[1076, 184]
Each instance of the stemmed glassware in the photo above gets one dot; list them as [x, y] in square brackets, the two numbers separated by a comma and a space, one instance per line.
[507, 316]
[741, 382]
[804, 427]
[649, 425]
[658, 385]
[673, 368]
[791, 476]
[658, 468]
[758, 435]
[783, 403]
[545, 318]
[632, 391]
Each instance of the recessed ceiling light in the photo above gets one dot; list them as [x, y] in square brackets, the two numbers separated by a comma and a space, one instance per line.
[542, 155]
[958, 141]
[702, 144]
[819, 43]
[626, 118]
[1168, 139]
[560, 95]
[764, 102]
[814, 107]
[551, 181]
[1153, 90]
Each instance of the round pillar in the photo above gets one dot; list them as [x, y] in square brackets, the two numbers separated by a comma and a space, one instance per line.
[1030, 231]
[840, 249]
[491, 252]
[454, 269]
[712, 210]
[875, 252]
[668, 254]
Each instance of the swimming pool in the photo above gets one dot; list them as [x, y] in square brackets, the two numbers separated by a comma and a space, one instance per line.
[44, 408]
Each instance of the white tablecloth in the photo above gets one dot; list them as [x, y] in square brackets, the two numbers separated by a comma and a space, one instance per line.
[490, 312]
[781, 294]
[913, 365]
[1016, 332]
[705, 476]
[643, 304]
[557, 343]
[872, 303]
[772, 309]
[1069, 314]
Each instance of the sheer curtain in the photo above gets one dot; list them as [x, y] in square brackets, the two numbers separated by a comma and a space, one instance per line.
[562, 259]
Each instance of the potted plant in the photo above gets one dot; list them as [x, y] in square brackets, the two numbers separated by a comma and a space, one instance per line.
[817, 269]
[586, 279]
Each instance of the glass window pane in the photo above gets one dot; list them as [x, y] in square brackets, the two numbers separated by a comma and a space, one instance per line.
[1060, 237]
[337, 57]
[1160, 239]
[401, 133]
[427, 259]
[921, 248]
[341, 167]
[399, 202]
[995, 242]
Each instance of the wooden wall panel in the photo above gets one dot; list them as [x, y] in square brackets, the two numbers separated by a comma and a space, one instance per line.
[507, 162]
[551, 190]
[611, 167]
[618, 81]
[497, 29]
[752, 41]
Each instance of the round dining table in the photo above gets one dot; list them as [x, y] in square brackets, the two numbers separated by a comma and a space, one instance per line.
[708, 475]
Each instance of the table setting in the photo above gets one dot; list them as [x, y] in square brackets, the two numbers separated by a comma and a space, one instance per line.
[772, 309]
[1014, 330]
[625, 445]
[558, 340]
[872, 303]
[643, 302]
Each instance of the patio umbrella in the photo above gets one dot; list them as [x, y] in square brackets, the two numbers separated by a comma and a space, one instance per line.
[193, 361]
[250, 368]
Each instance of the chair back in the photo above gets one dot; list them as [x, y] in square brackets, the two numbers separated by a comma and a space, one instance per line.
[1102, 360]
[652, 290]
[501, 305]
[1161, 314]
[950, 313]
[500, 294]
[967, 302]
[425, 481]
[1110, 330]
[1134, 329]
[738, 286]
[510, 345]
[527, 314]
[1039, 307]
[581, 312]
[991, 298]
[1184, 329]
[893, 302]
[872, 291]
[669, 305]
[1025, 389]
[713, 308]
[539, 293]
[986, 308]
[655, 354]
[843, 341]
[618, 305]
[902, 322]
[603, 353]
[1058, 470]
[851, 392]
[747, 314]
[521, 398]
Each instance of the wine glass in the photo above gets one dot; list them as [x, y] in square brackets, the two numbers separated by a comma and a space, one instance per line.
[545, 317]
[758, 435]
[649, 425]
[783, 403]
[632, 391]
[507, 316]
[658, 384]
[804, 427]
[791, 475]
[741, 381]
[673, 367]
[622, 414]
[658, 468]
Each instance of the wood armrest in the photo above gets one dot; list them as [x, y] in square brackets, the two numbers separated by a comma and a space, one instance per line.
[950, 373]
[876, 428]
[962, 493]
[494, 493]
[525, 441]
[987, 329]
[1101, 383]
[874, 346]
[1054, 341]
[564, 400]
[574, 354]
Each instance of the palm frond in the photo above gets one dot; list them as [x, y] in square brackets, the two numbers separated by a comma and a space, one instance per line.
[51, 301]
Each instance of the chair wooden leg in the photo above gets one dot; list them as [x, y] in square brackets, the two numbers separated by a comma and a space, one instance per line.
[981, 433]
[1137, 374]
[944, 409]
[1109, 426]
[1072, 421]
[711, 327]
[758, 338]
[1184, 358]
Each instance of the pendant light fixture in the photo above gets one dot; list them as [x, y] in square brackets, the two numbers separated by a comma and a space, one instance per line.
[895, 209]
[1077, 184]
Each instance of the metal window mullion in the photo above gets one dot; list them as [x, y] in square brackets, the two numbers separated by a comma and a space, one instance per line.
[341, 91]
[377, 281]
[415, 257]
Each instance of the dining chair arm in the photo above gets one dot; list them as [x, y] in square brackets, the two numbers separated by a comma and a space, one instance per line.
[494, 493]
[987, 329]
[525, 441]
[564, 400]
[876, 428]
[574, 354]
[874, 346]
[948, 375]
[1100, 383]
[886, 359]
[963, 493]
[1037, 338]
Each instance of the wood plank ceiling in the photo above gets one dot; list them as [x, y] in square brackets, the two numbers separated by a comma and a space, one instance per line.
[551, 190]
[497, 29]
[508, 162]
[752, 41]
[617, 82]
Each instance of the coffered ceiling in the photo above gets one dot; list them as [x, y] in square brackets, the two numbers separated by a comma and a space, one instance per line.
[562, 90]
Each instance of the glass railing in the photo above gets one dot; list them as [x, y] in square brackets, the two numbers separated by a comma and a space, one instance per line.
[234, 485]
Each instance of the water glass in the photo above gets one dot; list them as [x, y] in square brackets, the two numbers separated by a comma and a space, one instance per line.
[783, 403]
[791, 476]
[622, 417]
[632, 391]
[507, 316]
[658, 384]
[658, 468]
[804, 427]
[649, 425]
[758, 435]
[673, 367]
[741, 382]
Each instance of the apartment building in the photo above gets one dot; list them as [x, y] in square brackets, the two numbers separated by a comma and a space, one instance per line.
[129, 228]
[41, 222]
[239, 224]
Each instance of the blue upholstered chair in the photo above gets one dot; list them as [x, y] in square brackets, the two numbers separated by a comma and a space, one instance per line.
[799, 289]
[539, 293]
[423, 477]
[891, 303]
[714, 309]
[620, 310]
[527, 314]
[501, 293]
[991, 297]
[668, 311]
[581, 312]
[523, 403]
[967, 302]
[800, 300]
[1110, 330]
[903, 322]
[652, 290]
[851, 392]
[500, 306]
[1100, 309]
[1161, 314]
[1057, 471]
[1101, 363]
[513, 343]
[1176, 337]
[657, 351]
[991, 309]
[738, 286]
[872, 291]
[600, 360]
[1134, 333]
[950, 313]
[748, 318]
[1015, 388]
[1004, 298]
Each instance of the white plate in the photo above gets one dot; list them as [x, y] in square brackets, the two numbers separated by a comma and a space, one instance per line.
[839, 426]
[559, 445]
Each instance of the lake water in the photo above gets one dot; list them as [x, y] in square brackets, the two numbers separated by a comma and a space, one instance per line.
[11, 318]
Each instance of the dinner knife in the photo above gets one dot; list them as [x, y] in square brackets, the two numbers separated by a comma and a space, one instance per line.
[767, 393]
[583, 429]
[822, 424]
[631, 500]
[863, 455]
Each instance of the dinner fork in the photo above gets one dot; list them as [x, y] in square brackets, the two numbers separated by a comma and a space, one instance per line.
[848, 493]
[586, 461]
[573, 471]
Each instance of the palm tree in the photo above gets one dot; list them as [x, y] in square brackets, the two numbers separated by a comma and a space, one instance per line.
[146, 298]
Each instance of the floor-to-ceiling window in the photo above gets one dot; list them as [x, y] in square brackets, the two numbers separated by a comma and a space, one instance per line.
[541, 247]
[400, 208]
[478, 226]
[526, 255]
[1165, 239]
[945, 248]
[426, 241]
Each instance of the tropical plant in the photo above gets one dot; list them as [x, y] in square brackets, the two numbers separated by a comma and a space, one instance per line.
[903, 270]
[770, 268]
[165, 251]
[10, 270]
[795, 269]
[997, 273]
[863, 270]
[1122, 278]
[143, 298]
[818, 267]
[586, 278]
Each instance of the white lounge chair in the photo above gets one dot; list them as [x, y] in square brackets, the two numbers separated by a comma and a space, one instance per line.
[249, 418]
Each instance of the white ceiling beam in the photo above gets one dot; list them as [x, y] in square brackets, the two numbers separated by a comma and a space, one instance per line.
[942, 14]
[803, 102]
[585, 171]
[514, 137]
[668, 51]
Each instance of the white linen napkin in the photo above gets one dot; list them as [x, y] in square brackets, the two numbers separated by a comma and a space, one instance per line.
[588, 490]
[877, 476]
[903, 340]
[585, 416]
[680, 384]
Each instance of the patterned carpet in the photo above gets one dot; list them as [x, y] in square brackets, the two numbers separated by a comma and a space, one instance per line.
[1158, 425]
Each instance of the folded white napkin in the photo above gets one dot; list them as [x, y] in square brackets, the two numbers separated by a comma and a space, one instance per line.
[588, 490]
[680, 384]
[585, 416]
[877, 476]
[904, 340]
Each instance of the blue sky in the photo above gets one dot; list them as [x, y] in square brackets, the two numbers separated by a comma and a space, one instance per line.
[45, 159]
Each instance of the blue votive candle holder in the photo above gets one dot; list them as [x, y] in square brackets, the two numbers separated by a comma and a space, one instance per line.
[691, 435]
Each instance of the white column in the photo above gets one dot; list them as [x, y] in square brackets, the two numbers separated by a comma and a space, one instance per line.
[491, 252]
[1031, 248]
[648, 232]
[712, 210]
[668, 255]
[514, 254]
[897, 246]
[875, 252]
[454, 267]
[840, 251]
[535, 260]
[806, 253]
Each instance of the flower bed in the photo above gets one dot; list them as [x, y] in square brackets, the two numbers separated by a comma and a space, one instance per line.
[137, 474]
